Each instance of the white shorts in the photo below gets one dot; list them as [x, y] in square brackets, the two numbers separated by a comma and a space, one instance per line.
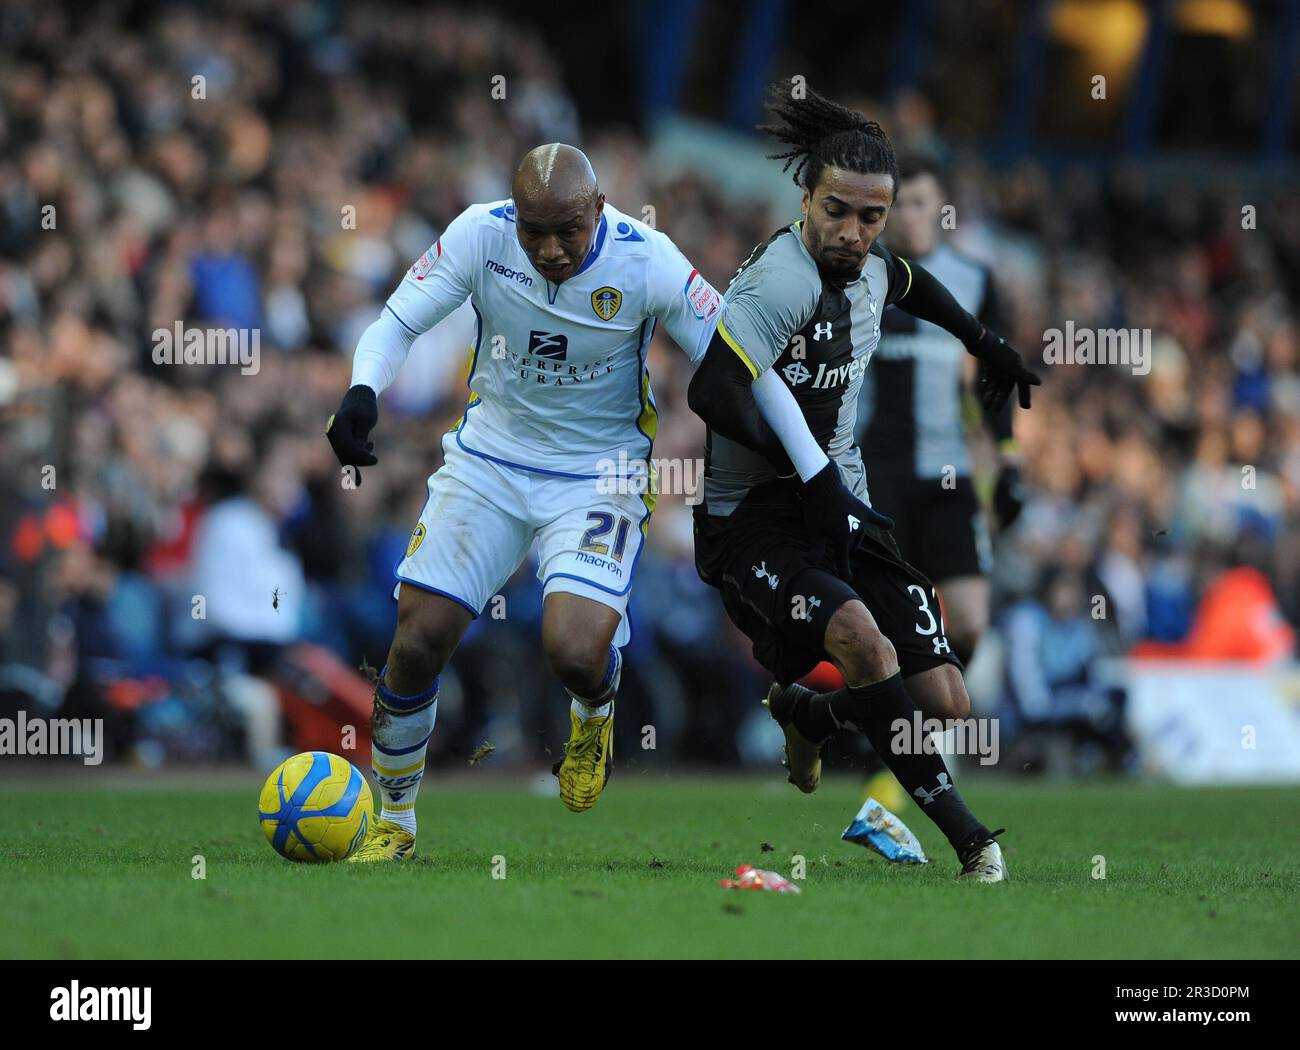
[482, 517]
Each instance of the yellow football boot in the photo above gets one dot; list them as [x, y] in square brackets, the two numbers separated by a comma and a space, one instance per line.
[588, 760]
[384, 841]
[886, 790]
[803, 757]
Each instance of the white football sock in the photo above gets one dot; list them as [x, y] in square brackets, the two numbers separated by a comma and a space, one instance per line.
[585, 711]
[400, 735]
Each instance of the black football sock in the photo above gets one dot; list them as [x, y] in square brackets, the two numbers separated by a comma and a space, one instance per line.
[872, 710]
[812, 713]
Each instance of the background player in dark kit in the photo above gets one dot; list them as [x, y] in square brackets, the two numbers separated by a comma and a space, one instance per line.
[910, 417]
[808, 303]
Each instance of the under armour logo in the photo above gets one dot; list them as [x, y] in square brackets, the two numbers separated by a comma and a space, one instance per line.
[854, 524]
[760, 572]
[820, 329]
[796, 373]
[940, 644]
[927, 797]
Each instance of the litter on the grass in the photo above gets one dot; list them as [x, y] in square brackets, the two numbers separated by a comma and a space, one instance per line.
[878, 829]
[751, 878]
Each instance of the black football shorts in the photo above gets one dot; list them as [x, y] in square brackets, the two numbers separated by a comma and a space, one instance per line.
[942, 531]
[780, 587]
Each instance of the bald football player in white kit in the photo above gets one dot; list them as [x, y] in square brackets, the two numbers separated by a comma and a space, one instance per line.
[567, 291]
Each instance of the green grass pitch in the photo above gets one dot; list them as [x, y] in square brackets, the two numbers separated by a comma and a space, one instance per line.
[93, 872]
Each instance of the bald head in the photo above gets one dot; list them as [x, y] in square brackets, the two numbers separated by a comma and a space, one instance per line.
[557, 208]
[554, 174]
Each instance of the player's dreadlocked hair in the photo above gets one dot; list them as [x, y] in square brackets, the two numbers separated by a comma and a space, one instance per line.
[824, 133]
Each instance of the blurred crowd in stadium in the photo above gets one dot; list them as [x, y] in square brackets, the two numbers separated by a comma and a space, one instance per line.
[131, 487]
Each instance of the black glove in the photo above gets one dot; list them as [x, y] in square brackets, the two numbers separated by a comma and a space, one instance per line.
[832, 512]
[349, 428]
[1008, 495]
[1001, 371]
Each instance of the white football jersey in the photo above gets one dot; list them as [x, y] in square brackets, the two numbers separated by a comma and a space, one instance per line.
[558, 381]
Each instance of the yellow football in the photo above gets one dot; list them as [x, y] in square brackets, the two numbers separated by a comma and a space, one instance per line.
[315, 807]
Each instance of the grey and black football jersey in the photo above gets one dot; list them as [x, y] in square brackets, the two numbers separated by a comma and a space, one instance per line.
[910, 417]
[779, 312]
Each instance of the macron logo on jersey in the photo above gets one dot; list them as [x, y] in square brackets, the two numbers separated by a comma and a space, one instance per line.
[510, 275]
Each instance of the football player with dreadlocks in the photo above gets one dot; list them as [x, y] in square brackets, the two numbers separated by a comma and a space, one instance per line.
[807, 304]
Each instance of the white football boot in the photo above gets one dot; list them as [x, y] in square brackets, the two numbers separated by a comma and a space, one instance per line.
[982, 862]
